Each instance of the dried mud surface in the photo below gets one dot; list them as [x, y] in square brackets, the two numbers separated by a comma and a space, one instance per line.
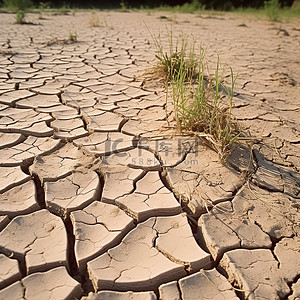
[101, 199]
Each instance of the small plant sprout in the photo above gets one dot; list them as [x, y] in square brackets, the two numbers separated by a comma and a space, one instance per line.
[73, 36]
[123, 6]
[44, 5]
[64, 10]
[20, 17]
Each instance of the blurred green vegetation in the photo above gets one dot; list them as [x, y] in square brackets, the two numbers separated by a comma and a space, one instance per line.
[275, 10]
[17, 5]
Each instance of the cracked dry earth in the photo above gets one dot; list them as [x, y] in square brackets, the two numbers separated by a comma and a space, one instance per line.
[100, 199]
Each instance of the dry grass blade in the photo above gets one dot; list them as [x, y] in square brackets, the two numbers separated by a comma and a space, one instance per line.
[94, 21]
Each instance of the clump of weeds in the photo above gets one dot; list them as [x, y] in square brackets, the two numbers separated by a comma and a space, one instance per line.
[43, 6]
[20, 17]
[17, 5]
[64, 10]
[180, 56]
[272, 9]
[72, 39]
[202, 103]
[124, 7]
[73, 36]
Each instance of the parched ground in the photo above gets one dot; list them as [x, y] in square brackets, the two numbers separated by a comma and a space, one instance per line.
[101, 198]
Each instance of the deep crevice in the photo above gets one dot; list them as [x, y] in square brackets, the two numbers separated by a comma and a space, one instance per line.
[60, 98]
[71, 259]
[26, 164]
[156, 292]
[98, 193]
[163, 177]
[40, 195]
[86, 284]
[181, 200]
[122, 123]
[22, 265]
[179, 291]
[286, 297]
[201, 242]
[84, 119]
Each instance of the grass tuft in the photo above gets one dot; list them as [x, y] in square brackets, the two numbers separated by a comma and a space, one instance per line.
[124, 7]
[17, 5]
[64, 10]
[172, 61]
[72, 39]
[20, 17]
[202, 103]
[272, 9]
[73, 36]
